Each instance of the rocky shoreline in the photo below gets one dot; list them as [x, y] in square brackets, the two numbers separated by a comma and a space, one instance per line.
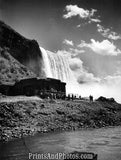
[23, 118]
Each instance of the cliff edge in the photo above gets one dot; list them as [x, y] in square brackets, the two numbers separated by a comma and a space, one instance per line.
[25, 51]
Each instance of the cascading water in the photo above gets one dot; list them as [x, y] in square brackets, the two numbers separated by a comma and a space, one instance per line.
[57, 66]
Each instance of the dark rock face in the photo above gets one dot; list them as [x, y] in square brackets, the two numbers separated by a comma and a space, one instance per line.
[24, 50]
[11, 70]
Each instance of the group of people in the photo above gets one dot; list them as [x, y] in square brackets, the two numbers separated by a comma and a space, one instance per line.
[72, 97]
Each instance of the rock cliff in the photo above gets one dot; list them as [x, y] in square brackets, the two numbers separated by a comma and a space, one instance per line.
[11, 70]
[24, 50]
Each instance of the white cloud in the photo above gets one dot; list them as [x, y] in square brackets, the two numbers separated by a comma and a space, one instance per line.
[72, 51]
[103, 48]
[76, 65]
[92, 12]
[89, 22]
[86, 77]
[68, 42]
[74, 10]
[76, 52]
[106, 32]
[96, 20]
[80, 73]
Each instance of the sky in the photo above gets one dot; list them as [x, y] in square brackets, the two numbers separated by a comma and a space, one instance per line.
[89, 31]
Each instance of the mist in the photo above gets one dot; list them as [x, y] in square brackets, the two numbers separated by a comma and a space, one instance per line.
[84, 83]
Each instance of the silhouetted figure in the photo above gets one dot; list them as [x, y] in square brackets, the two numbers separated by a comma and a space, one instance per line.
[91, 98]
[72, 97]
[79, 97]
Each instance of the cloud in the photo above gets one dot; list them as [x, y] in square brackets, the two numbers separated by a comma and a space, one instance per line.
[89, 22]
[75, 52]
[86, 77]
[106, 32]
[75, 64]
[103, 48]
[68, 42]
[96, 20]
[72, 51]
[74, 10]
[81, 75]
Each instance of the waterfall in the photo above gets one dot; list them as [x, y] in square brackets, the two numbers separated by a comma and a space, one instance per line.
[57, 66]
[46, 61]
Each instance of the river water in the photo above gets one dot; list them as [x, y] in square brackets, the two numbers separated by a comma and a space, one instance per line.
[106, 142]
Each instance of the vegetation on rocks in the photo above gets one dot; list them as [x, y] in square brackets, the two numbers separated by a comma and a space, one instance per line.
[10, 69]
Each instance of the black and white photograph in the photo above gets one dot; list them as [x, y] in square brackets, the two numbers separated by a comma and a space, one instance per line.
[60, 79]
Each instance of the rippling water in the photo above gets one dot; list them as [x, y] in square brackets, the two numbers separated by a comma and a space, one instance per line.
[106, 142]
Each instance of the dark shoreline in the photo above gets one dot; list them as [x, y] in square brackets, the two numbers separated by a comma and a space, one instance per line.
[21, 136]
[27, 118]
